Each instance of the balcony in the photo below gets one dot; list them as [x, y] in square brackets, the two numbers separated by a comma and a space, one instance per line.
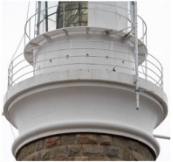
[25, 65]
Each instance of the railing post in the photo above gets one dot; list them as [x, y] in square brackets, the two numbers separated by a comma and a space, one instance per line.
[24, 39]
[44, 13]
[35, 26]
[135, 26]
[8, 78]
[146, 40]
[30, 29]
[146, 66]
[11, 74]
[162, 77]
[34, 61]
[63, 15]
[143, 31]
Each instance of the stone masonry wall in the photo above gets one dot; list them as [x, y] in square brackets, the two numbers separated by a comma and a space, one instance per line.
[85, 147]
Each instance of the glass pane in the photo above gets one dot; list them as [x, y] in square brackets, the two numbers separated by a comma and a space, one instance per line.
[61, 14]
[60, 20]
[42, 28]
[42, 13]
[52, 22]
[52, 7]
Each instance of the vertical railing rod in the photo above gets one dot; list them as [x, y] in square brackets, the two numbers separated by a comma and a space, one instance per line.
[63, 15]
[30, 29]
[146, 40]
[11, 73]
[43, 22]
[143, 31]
[135, 25]
[35, 20]
[24, 39]
[162, 77]
[34, 61]
[8, 78]
[146, 66]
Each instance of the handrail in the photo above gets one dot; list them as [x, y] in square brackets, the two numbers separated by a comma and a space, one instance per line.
[14, 65]
[18, 63]
[144, 34]
[82, 63]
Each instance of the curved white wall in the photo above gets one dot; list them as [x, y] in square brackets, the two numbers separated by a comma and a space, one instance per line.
[85, 51]
[76, 90]
[108, 14]
[84, 101]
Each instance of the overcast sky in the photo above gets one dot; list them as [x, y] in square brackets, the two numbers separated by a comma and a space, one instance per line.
[157, 17]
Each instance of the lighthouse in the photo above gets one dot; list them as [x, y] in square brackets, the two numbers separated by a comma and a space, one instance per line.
[73, 95]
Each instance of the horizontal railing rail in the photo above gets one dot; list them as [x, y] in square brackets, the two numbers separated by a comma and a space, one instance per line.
[151, 69]
[19, 69]
[31, 24]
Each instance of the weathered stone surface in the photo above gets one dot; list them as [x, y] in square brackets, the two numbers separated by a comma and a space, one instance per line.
[23, 153]
[99, 158]
[71, 158]
[138, 156]
[31, 148]
[59, 152]
[116, 159]
[85, 147]
[119, 141]
[74, 150]
[90, 150]
[105, 140]
[114, 152]
[127, 155]
[39, 144]
[35, 156]
[45, 154]
[150, 156]
[68, 139]
[52, 141]
[81, 158]
[146, 152]
[87, 139]
[59, 158]
[133, 145]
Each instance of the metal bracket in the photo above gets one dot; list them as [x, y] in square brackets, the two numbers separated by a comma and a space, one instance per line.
[34, 44]
[65, 31]
[47, 37]
[108, 32]
[87, 30]
[29, 53]
[126, 38]
[142, 90]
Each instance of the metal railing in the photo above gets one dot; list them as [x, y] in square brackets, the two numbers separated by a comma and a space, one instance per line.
[20, 69]
[151, 69]
[32, 25]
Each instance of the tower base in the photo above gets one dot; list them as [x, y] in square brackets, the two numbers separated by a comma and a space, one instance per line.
[85, 147]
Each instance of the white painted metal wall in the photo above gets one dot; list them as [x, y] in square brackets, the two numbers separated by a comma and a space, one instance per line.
[108, 14]
[80, 91]
[85, 51]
